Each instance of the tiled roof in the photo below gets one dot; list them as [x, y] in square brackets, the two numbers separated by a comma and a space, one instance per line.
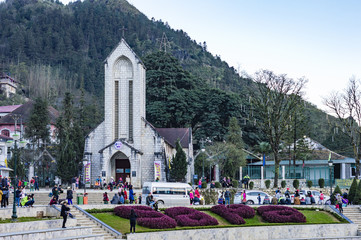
[25, 111]
[7, 109]
[171, 135]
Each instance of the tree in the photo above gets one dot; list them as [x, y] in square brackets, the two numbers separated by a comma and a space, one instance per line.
[179, 163]
[357, 199]
[235, 156]
[37, 128]
[276, 99]
[352, 191]
[347, 108]
[69, 152]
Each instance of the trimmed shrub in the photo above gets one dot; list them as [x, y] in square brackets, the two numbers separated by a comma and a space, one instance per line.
[235, 184]
[280, 214]
[283, 184]
[296, 184]
[321, 182]
[309, 183]
[357, 198]
[231, 217]
[204, 185]
[147, 217]
[242, 210]
[190, 217]
[352, 191]
[251, 185]
[218, 184]
[267, 183]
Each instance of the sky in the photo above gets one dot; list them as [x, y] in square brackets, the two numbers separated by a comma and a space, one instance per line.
[319, 40]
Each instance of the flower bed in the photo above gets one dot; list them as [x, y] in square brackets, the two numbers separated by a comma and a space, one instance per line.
[190, 217]
[242, 210]
[280, 214]
[224, 212]
[147, 217]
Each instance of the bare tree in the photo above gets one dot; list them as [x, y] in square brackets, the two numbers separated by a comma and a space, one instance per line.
[276, 100]
[347, 108]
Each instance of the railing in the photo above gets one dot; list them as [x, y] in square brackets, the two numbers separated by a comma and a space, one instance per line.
[339, 213]
[56, 208]
[112, 230]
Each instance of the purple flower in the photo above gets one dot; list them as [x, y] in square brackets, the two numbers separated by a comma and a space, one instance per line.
[190, 217]
[281, 214]
[224, 212]
[242, 210]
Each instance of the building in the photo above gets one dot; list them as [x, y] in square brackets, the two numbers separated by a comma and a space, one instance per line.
[5, 110]
[125, 144]
[8, 85]
[4, 169]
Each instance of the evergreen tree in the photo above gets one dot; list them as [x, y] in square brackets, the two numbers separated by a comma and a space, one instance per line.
[69, 151]
[179, 163]
[235, 156]
[37, 128]
[352, 190]
[357, 198]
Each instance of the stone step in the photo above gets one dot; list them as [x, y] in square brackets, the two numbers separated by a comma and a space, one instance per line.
[85, 237]
[48, 233]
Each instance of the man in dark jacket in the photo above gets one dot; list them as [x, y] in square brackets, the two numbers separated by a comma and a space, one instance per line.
[55, 192]
[64, 212]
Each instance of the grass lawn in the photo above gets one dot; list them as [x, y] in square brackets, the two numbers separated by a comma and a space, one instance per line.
[26, 219]
[122, 225]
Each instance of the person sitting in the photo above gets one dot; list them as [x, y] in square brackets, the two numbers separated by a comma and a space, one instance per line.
[53, 201]
[288, 200]
[308, 200]
[121, 199]
[303, 201]
[115, 199]
[274, 201]
[220, 199]
[24, 200]
[313, 201]
[196, 201]
[266, 200]
[149, 200]
[105, 198]
[282, 200]
[30, 201]
[297, 201]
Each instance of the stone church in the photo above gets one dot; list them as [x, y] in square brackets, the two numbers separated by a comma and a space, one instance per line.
[125, 144]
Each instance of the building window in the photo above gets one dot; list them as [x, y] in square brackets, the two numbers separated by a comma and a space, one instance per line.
[130, 110]
[5, 132]
[116, 110]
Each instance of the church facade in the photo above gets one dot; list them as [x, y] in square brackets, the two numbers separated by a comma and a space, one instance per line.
[125, 145]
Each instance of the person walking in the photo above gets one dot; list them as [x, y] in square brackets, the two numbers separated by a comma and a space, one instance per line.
[73, 183]
[69, 196]
[133, 220]
[131, 194]
[36, 183]
[64, 212]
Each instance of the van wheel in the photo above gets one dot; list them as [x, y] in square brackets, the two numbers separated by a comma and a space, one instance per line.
[249, 202]
[160, 204]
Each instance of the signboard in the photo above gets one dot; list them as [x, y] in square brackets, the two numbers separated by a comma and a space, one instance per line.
[157, 169]
[87, 173]
[343, 183]
[195, 176]
[118, 145]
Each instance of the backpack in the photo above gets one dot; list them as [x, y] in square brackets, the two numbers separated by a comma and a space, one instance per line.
[50, 194]
[321, 196]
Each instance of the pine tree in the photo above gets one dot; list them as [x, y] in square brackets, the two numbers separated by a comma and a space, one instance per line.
[357, 198]
[352, 191]
[178, 169]
[37, 128]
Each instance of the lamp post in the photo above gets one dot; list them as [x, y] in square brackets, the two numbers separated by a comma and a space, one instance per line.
[330, 164]
[14, 144]
[203, 150]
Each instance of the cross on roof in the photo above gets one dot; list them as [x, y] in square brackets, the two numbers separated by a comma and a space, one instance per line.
[123, 29]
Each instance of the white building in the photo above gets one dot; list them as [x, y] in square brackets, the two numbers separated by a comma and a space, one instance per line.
[126, 144]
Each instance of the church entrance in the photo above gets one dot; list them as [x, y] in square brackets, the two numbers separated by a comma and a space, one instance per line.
[122, 169]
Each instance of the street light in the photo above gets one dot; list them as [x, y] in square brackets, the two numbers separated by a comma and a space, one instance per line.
[330, 164]
[203, 150]
[14, 144]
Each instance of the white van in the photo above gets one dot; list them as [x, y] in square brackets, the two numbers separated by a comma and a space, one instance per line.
[167, 193]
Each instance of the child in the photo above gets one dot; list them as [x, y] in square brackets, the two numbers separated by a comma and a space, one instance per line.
[133, 219]
[105, 198]
[140, 199]
[259, 199]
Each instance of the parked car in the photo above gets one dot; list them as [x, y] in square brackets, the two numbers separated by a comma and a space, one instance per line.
[251, 197]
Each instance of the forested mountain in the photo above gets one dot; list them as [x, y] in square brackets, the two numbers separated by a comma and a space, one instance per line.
[52, 48]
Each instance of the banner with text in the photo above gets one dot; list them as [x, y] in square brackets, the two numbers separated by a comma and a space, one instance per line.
[157, 170]
[87, 173]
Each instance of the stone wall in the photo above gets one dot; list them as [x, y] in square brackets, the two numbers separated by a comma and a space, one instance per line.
[255, 233]
[48, 224]
[6, 213]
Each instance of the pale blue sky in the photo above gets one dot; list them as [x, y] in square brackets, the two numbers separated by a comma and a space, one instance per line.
[320, 40]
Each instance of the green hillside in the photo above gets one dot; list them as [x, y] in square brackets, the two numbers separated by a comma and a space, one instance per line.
[52, 48]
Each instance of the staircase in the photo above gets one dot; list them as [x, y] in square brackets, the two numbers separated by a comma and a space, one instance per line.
[354, 214]
[85, 221]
